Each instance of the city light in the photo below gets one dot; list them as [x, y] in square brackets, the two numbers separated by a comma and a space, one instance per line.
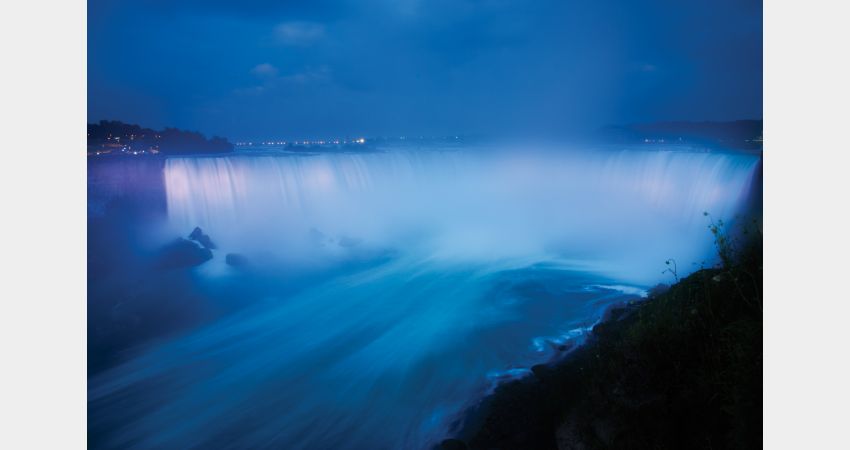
[306, 142]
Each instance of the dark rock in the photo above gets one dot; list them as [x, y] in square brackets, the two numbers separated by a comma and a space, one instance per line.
[236, 260]
[198, 235]
[541, 371]
[182, 253]
[453, 444]
[566, 346]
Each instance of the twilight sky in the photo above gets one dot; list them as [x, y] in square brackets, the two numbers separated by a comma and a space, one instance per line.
[253, 69]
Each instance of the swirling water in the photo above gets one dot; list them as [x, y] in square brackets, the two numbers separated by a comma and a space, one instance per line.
[422, 277]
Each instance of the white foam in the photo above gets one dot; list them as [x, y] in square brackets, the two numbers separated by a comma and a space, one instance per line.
[628, 290]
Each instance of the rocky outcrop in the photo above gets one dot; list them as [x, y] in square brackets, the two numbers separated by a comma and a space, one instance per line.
[198, 235]
[182, 253]
[237, 260]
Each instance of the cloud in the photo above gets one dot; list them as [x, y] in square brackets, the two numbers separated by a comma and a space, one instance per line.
[319, 75]
[265, 70]
[299, 33]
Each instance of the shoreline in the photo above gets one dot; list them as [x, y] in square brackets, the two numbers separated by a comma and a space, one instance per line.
[679, 369]
[473, 419]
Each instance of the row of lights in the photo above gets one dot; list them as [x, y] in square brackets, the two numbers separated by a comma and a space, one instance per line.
[320, 142]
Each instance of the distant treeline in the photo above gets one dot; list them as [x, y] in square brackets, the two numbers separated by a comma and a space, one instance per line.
[740, 134]
[115, 137]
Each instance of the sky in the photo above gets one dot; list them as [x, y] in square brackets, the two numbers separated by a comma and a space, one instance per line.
[257, 69]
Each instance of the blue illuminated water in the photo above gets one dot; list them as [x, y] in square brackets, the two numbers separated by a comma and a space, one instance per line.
[391, 290]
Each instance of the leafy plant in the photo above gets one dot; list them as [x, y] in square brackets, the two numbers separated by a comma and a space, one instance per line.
[722, 240]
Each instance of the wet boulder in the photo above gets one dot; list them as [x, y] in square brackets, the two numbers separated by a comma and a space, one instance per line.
[236, 260]
[182, 253]
[198, 235]
[541, 371]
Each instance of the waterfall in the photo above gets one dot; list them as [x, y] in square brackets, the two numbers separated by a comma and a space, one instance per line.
[623, 211]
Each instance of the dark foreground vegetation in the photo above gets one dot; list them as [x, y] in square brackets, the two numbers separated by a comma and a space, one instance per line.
[681, 370]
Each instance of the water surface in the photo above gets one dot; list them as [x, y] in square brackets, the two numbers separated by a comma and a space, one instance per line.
[390, 290]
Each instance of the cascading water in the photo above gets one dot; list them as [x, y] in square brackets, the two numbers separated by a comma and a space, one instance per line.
[624, 211]
[440, 273]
